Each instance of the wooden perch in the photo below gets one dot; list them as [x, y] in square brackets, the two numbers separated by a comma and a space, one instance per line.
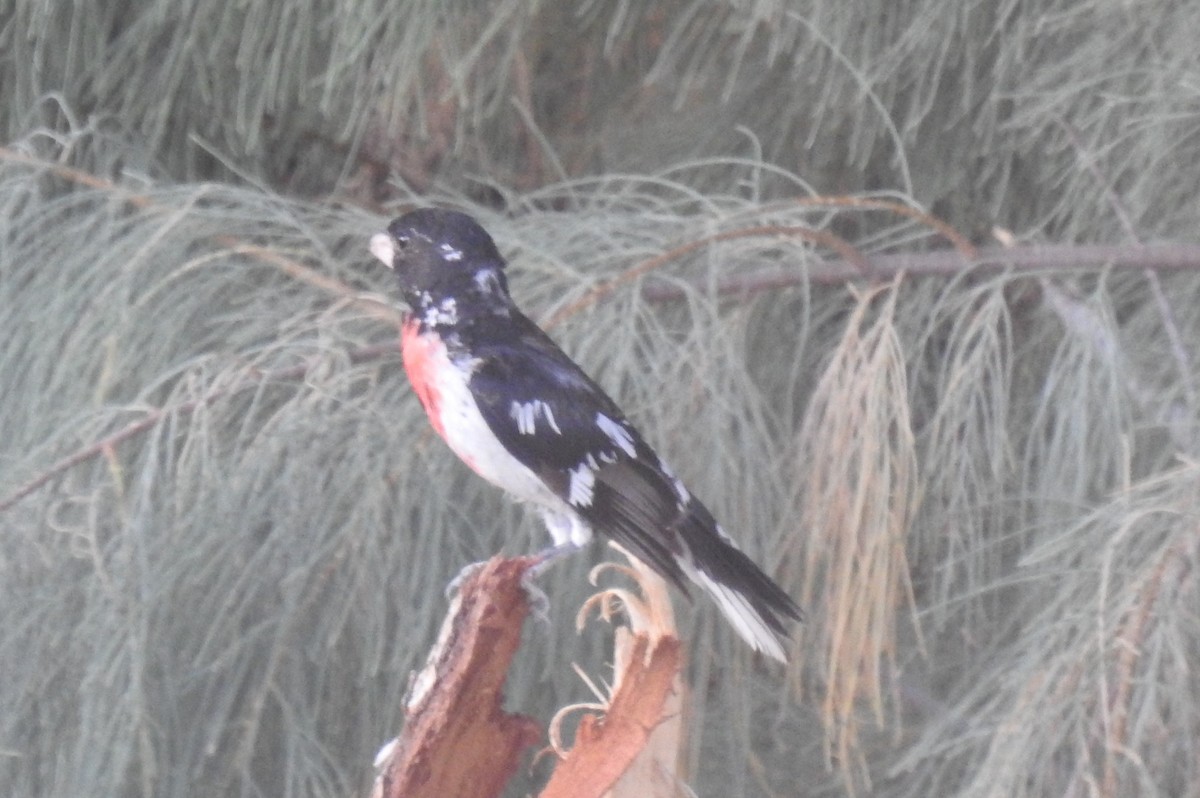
[457, 738]
[607, 747]
[459, 741]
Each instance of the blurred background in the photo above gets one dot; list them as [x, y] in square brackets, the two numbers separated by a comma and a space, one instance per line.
[906, 291]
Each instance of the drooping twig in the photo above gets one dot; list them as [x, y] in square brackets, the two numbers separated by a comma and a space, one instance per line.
[1130, 643]
[942, 228]
[152, 418]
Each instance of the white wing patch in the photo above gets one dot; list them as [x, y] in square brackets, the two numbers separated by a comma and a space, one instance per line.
[526, 415]
[616, 433]
[450, 253]
[583, 482]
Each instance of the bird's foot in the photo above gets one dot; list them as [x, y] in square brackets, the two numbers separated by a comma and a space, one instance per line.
[453, 586]
[539, 602]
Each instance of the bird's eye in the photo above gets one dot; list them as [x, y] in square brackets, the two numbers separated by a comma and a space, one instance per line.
[401, 242]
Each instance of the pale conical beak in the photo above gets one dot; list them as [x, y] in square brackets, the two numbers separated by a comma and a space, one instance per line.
[382, 248]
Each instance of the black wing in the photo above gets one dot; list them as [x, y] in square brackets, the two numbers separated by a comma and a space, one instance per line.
[631, 497]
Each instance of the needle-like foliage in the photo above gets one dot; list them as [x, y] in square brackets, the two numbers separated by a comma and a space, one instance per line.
[225, 526]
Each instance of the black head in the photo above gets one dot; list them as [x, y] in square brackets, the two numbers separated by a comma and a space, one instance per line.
[441, 255]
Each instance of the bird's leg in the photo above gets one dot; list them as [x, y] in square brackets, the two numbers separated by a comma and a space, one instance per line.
[552, 554]
[539, 603]
[540, 563]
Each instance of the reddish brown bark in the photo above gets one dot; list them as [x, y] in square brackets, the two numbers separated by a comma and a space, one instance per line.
[606, 747]
[457, 738]
[459, 741]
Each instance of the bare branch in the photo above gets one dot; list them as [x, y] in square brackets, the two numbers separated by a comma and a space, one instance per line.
[949, 263]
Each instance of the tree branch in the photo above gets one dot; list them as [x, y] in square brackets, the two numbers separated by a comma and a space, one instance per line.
[949, 263]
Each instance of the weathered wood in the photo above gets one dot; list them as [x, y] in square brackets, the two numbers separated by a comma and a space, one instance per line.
[457, 738]
[606, 747]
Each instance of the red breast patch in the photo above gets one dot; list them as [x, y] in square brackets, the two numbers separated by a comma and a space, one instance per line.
[420, 353]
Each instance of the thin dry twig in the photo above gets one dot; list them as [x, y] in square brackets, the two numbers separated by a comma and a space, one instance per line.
[943, 228]
[1129, 640]
[79, 176]
[822, 237]
[251, 378]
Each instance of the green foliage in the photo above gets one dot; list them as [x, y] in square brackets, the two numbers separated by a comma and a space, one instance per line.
[227, 528]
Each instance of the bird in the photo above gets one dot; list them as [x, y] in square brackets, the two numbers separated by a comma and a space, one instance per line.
[525, 417]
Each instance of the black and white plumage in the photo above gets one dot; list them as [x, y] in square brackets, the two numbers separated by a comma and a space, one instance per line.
[525, 417]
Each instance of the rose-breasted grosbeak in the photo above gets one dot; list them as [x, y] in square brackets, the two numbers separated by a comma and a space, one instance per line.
[519, 412]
